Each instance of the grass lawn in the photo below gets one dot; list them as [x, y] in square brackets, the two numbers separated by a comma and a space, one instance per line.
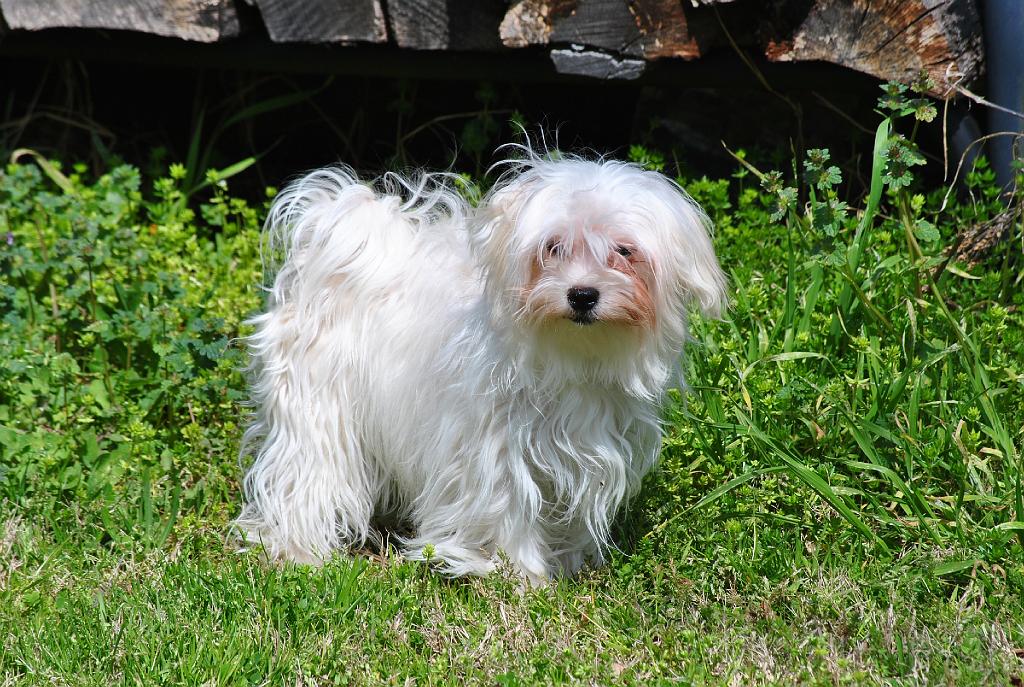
[195, 613]
[839, 499]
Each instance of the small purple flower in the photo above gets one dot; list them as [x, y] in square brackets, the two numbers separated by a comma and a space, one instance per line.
[10, 238]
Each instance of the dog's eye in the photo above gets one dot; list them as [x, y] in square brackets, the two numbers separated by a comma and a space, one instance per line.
[553, 248]
[623, 251]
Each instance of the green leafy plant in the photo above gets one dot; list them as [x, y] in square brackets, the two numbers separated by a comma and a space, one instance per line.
[116, 339]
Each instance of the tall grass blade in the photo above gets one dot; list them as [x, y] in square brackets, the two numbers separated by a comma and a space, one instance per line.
[49, 169]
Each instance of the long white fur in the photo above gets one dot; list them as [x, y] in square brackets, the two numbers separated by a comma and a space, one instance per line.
[407, 367]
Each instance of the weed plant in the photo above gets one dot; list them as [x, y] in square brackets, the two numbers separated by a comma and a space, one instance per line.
[839, 499]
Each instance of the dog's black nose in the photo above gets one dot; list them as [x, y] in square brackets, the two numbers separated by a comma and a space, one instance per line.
[583, 299]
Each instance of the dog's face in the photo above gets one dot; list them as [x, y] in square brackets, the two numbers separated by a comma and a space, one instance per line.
[589, 268]
[597, 247]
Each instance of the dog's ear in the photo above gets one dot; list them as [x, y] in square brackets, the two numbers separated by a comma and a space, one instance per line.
[494, 219]
[698, 278]
[495, 243]
[704, 279]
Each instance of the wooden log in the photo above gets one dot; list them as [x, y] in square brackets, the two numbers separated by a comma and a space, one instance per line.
[323, 21]
[890, 39]
[443, 25]
[646, 29]
[206, 21]
[606, 24]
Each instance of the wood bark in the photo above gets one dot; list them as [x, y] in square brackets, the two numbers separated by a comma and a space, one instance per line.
[205, 21]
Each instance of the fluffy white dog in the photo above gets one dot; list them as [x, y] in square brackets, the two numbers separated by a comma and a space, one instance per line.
[489, 376]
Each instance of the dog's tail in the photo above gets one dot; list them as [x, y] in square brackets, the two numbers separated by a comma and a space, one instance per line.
[329, 222]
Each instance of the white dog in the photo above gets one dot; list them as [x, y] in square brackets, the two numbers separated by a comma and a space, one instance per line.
[489, 376]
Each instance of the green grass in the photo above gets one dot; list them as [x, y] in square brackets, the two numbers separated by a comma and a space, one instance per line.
[196, 613]
[839, 499]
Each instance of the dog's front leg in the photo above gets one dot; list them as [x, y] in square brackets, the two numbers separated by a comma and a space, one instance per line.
[483, 540]
[479, 508]
[522, 540]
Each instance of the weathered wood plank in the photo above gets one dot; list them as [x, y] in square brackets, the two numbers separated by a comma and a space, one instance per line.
[647, 29]
[323, 21]
[890, 39]
[446, 25]
[205, 21]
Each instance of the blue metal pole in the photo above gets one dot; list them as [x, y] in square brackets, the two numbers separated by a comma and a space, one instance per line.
[1004, 57]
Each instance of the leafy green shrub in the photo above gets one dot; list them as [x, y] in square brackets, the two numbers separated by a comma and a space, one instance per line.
[120, 384]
